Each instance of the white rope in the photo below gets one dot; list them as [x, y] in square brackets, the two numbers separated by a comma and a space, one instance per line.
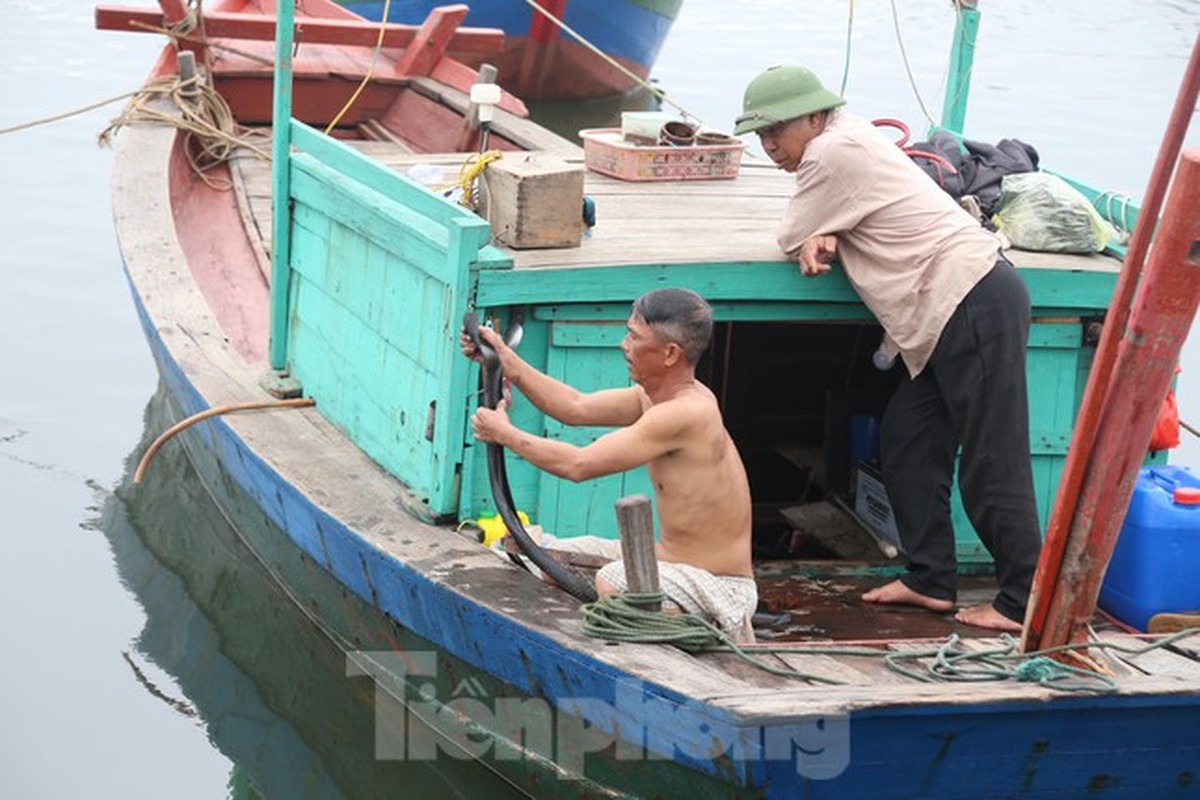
[907, 67]
[846, 64]
[64, 115]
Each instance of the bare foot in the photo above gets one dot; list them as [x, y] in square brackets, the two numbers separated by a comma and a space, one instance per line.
[986, 616]
[896, 593]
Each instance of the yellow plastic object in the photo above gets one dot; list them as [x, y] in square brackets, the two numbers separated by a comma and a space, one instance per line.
[494, 527]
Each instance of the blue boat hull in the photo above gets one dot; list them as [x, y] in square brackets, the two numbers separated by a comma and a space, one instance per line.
[540, 61]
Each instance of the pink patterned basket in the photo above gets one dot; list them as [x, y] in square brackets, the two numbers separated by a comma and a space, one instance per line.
[606, 152]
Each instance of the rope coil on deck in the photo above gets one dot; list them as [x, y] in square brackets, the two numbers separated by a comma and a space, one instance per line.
[622, 618]
[993, 665]
[212, 132]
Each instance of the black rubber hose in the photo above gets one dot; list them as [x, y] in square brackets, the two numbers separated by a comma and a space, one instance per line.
[493, 384]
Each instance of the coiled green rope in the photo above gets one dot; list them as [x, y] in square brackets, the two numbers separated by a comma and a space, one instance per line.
[624, 618]
[998, 664]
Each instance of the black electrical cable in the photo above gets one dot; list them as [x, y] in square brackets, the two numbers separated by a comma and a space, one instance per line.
[493, 384]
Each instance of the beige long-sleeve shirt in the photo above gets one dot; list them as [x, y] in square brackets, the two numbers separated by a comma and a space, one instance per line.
[909, 250]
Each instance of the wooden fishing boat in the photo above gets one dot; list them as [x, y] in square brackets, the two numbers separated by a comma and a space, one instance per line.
[556, 50]
[355, 505]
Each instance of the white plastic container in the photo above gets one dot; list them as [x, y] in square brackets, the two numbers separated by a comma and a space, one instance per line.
[642, 127]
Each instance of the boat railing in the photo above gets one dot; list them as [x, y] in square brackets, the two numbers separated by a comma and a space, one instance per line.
[380, 272]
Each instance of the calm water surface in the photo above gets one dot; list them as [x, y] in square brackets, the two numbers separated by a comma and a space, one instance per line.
[121, 676]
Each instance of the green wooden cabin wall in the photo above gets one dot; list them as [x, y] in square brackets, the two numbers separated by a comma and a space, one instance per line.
[589, 357]
[579, 343]
[586, 355]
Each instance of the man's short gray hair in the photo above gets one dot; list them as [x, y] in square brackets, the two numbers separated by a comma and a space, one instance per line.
[680, 316]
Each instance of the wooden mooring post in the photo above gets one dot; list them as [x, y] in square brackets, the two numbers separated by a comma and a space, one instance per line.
[636, 525]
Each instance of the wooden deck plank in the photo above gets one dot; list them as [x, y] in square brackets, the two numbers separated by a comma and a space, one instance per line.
[751, 674]
[853, 670]
[665, 222]
[1188, 646]
[255, 217]
[916, 665]
[1160, 662]
[847, 699]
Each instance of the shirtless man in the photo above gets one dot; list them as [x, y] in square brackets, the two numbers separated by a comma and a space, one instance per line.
[668, 421]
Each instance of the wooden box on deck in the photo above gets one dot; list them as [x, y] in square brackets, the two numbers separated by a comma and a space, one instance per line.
[534, 201]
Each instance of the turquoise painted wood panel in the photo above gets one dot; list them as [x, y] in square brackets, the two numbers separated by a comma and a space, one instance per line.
[1056, 369]
[621, 284]
[367, 385]
[524, 479]
[588, 357]
[362, 170]
[371, 216]
[759, 290]
[723, 311]
[378, 290]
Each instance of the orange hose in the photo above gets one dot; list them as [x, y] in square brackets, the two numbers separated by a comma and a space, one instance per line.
[297, 402]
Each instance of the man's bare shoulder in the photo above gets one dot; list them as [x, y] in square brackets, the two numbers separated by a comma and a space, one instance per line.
[694, 409]
[695, 399]
[701, 399]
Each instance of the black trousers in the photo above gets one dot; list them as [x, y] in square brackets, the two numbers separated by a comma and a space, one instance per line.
[971, 394]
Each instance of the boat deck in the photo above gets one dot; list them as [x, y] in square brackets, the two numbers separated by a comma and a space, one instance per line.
[662, 222]
[816, 606]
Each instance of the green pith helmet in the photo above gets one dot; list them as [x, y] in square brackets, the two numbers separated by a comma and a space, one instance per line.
[780, 94]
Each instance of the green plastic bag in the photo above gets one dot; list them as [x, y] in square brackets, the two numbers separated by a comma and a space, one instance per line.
[1040, 211]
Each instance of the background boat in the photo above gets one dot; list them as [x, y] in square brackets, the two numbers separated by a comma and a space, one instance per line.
[541, 60]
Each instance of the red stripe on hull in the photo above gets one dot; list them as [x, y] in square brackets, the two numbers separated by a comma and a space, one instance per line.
[543, 30]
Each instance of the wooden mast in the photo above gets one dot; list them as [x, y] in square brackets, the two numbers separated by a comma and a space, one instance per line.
[281, 170]
[962, 59]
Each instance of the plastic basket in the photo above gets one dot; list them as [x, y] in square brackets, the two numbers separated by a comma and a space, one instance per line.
[605, 151]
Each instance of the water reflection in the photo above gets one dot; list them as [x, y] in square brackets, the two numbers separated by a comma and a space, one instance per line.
[225, 647]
